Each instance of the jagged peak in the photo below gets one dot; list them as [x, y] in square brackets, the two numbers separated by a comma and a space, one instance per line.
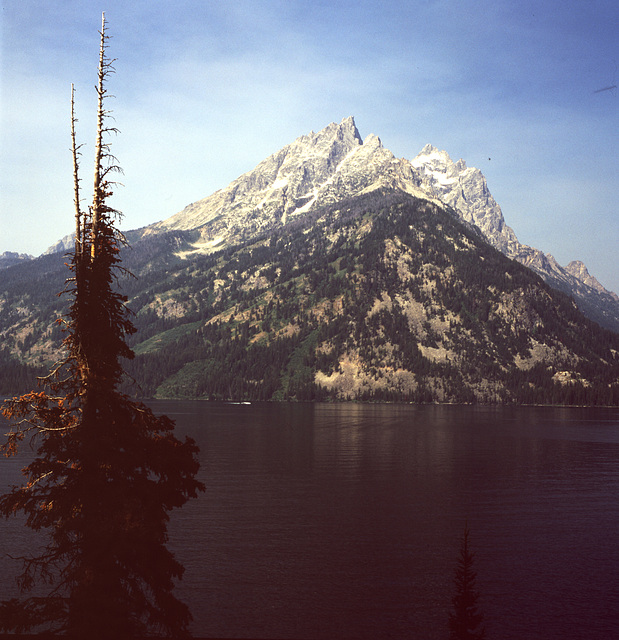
[373, 140]
[578, 269]
[430, 154]
[346, 129]
[10, 258]
[428, 150]
[345, 134]
[15, 256]
[577, 265]
[64, 244]
[349, 123]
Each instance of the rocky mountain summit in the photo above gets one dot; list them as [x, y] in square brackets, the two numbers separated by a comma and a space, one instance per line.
[465, 190]
[334, 164]
[315, 170]
[9, 258]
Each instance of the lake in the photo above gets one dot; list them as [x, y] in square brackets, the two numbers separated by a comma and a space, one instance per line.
[326, 521]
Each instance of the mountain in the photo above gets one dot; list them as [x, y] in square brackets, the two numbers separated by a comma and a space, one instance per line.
[319, 169]
[334, 270]
[315, 170]
[383, 296]
[62, 246]
[465, 190]
[9, 258]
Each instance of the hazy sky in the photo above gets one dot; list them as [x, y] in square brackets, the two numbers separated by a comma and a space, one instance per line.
[207, 89]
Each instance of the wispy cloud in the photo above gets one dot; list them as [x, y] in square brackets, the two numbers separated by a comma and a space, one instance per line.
[207, 90]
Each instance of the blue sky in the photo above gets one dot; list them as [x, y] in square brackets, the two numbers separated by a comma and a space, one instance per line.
[206, 89]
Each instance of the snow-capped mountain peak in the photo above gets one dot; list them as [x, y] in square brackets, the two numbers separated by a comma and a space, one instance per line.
[465, 189]
[335, 164]
[315, 169]
[277, 186]
[431, 155]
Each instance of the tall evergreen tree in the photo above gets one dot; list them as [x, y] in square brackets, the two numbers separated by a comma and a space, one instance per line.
[107, 471]
[465, 621]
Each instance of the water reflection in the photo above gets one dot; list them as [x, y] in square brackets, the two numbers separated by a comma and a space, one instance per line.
[324, 521]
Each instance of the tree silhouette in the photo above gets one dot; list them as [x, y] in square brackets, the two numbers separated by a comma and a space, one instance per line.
[107, 471]
[465, 620]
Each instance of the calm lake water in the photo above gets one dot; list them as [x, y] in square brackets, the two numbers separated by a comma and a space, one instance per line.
[343, 521]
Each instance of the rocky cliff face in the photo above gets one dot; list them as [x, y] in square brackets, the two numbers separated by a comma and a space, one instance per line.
[577, 269]
[62, 246]
[335, 164]
[315, 170]
[465, 190]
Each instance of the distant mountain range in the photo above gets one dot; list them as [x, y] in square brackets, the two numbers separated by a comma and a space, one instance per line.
[334, 270]
[9, 258]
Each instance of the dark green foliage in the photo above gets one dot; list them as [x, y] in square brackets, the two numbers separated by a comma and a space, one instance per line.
[16, 376]
[107, 471]
[465, 621]
[321, 279]
[248, 308]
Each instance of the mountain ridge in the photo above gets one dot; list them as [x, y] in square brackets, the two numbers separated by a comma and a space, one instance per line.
[466, 190]
[319, 169]
[10, 258]
[383, 296]
[336, 271]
